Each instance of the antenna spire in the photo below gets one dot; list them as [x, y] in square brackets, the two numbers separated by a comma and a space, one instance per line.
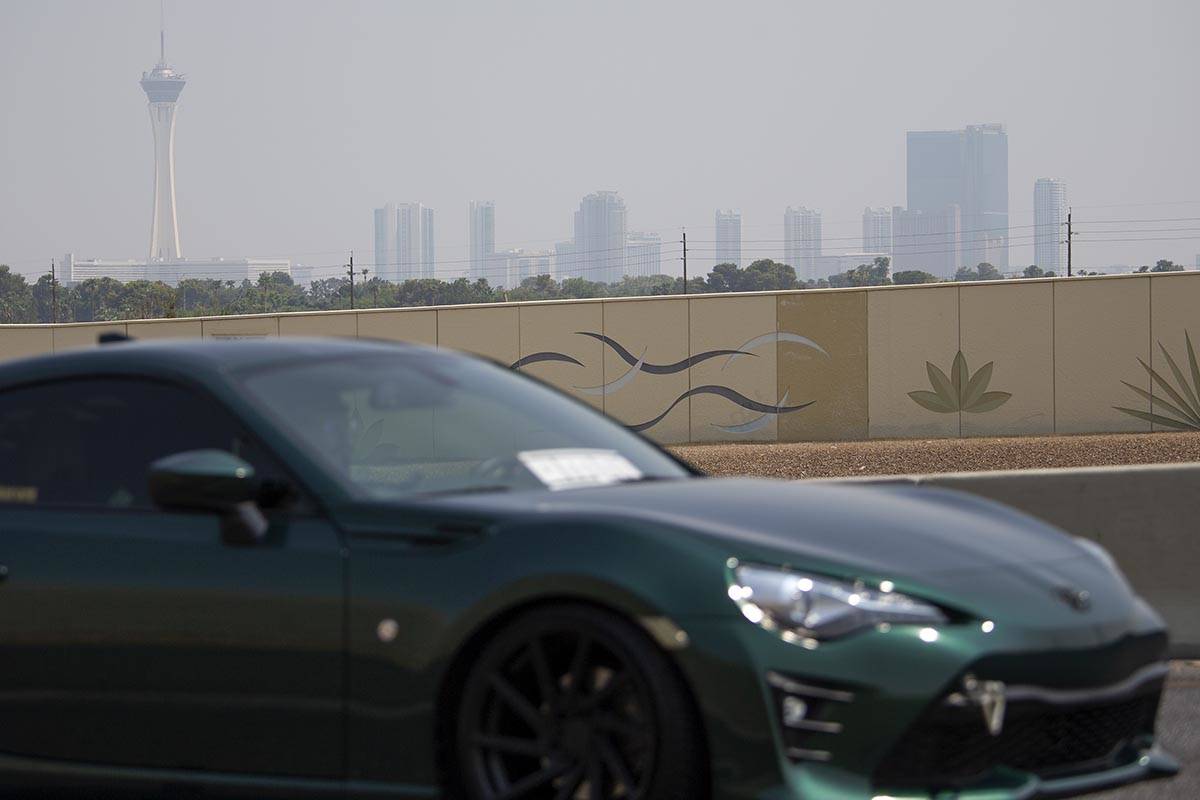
[162, 32]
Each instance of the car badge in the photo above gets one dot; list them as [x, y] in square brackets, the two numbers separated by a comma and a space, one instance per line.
[991, 697]
[1078, 599]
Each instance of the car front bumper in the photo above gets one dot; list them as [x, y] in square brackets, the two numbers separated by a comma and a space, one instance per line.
[875, 691]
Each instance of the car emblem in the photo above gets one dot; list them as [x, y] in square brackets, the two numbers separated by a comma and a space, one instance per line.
[1078, 599]
[990, 696]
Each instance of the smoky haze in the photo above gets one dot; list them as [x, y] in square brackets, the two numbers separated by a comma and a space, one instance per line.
[300, 117]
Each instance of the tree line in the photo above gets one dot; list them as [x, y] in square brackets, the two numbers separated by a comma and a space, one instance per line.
[107, 299]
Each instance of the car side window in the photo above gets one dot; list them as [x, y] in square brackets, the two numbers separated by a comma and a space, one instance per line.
[90, 442]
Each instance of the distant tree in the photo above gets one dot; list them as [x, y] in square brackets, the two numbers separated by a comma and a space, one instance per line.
[874, 274]
[1050, 274]
[1162, 265]
[725, 278]
[1033, 271]
[16, 299]
[581, 288]
[538, 287]
[911, 276]
[44, 306]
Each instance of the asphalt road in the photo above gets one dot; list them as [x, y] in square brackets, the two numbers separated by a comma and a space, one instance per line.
[1179, 731]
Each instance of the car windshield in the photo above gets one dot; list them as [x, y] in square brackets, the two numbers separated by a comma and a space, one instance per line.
[424, 423]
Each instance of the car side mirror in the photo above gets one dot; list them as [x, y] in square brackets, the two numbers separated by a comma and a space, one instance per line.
[213, 481]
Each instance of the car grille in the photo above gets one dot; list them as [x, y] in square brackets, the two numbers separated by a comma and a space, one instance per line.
[950, 746]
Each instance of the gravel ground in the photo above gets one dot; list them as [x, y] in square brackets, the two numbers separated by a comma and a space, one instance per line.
[923, 456]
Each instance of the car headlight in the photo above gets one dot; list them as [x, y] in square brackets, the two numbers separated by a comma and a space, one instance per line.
[803, 607]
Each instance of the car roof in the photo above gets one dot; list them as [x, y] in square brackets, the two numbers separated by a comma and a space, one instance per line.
[197, 357]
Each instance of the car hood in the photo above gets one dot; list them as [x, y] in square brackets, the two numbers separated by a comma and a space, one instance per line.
[882, 528]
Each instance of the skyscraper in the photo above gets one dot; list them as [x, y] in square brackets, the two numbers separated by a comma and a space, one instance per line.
[729, 237]
[404, 242]
[600, 238]
[163, 86]
[1049, 221]
[877, 230]
[969, 169]
[802, 241]
[386, 256]
[930, 242]
[643, 254]
[481, 222]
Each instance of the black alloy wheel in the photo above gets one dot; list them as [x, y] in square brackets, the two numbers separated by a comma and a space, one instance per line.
[571, 704]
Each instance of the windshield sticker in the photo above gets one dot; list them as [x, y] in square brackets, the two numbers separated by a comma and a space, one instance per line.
[573, 468]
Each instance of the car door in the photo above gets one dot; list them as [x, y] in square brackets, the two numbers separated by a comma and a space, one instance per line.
[136, 637]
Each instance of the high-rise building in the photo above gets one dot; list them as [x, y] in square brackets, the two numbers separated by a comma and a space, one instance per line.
[643, 254]
[163, 86]
[481, 222]
[802, 241]
[1049, 225]
[927, 241]
[877, 230]
[729, 237]
[969, 169]
[600, 237]
[404, 242]
[565, 265]
[386, 255]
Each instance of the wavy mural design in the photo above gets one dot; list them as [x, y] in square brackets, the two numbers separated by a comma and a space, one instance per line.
[638, 364]
[538, 358]
[661, 369]
[729, 394]
[773, 338]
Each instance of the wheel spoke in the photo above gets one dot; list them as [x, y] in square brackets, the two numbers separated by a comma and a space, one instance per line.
[578, 672]
[615, 764]
[605, 693]
[570, 784]
[518, 703]
[541, 668]
[512, 745]
[533, 781]
[595, 779]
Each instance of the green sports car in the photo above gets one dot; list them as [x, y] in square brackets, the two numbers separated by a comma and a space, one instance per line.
[298, 568]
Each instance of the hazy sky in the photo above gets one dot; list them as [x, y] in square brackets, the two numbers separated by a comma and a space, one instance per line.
[300, 117]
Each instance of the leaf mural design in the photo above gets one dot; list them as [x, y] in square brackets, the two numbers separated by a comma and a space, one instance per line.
[1184, 403]
[959, 391]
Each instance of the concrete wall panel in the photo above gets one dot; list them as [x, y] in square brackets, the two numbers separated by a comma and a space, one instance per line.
[21, 342]
[241, 327]
[1101, 329]
[343, 324]
[733, 323]
[1174, 319]
[905, 329]
[654, 332]
[555, 349]
[67, 337]
[400, 326]
[834, 377]
[167, 329]
[490, 332]
[1010, 326]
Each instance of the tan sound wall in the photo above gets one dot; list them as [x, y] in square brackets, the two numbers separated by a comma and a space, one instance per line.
[981, 359]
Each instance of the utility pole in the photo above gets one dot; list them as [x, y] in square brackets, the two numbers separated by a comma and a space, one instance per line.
[350, 272]
[1069, 235]
[53, 293]
[685, 291]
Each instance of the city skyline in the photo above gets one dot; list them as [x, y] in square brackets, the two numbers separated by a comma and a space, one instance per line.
[286, 178]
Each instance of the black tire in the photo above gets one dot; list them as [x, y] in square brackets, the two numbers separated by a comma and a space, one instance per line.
[575, 703]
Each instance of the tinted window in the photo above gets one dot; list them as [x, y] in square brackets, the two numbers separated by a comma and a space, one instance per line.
[91, 442]
[418, 422]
